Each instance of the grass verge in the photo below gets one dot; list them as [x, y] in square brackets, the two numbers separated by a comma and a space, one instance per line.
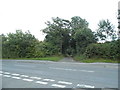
[51, 58]
[92, 60]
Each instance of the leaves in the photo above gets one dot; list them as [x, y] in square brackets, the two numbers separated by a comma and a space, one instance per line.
[18, 45]
[108, 50]
[67, 35]
[106, 30]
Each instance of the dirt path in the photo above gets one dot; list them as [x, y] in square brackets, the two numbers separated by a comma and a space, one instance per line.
[67, 59]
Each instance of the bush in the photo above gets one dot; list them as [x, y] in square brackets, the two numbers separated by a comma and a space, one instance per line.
[108, 50]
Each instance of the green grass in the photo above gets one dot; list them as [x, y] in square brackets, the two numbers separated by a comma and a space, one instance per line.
[92, 60]
[51, 58]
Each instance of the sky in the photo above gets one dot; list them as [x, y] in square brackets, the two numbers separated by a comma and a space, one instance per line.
[32, 14]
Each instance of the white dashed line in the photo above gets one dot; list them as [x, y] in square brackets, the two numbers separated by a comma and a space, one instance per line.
[29, 80]
[40, 82]
[24, 76]
[86, 71]
[6, 75]
[56, 85]
[63, 82]
[71, 69]
[49, 80]
[16, 77]
[85, 86]
[35, 77]
[15, 74]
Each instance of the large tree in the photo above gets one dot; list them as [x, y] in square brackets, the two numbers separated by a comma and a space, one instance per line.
[69, 37]
[58, 34]
[81, 34]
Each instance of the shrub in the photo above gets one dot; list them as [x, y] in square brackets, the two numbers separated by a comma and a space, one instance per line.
[108, 50]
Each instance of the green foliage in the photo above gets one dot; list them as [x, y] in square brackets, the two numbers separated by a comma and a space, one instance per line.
[64, 37]
[108, 50]
[50, 58]
[44, 49]
[93, 60]
[83, 38]
[80, 57]
[69, 37]
[58, 35]
[106, 30]
[18, 45]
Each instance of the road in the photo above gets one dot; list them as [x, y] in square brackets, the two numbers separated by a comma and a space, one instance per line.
[48, 74]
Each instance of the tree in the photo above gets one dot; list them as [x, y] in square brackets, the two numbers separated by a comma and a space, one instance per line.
[106, 30]
[81, 34]
[58, 34]
[118, 24]
[69, 37]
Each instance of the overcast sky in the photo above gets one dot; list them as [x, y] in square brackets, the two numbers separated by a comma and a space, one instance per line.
[32, 14]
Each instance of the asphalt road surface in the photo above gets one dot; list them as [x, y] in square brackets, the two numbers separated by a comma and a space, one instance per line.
[48, 74]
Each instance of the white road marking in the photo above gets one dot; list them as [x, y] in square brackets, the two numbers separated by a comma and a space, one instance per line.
[6, 75]
[24, 66]
[35, 77]
[63, 82]
[16, 77]
[24, 76]
[85, 86]
[71, 69]
[49, 80]
[29, 80]
[0, 74]
[40, 82]
[87, 71]
[57, 85]
[1, 71]
[15, 74]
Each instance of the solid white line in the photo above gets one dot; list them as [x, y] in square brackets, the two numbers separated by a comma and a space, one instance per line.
[57, 85]
[24, 76]
[29, 80]
[86, 86]
[35, 77]
[49, 80]
[40, 82]
[16, 77]
[63, 82]
[15, 74]
[6, 75]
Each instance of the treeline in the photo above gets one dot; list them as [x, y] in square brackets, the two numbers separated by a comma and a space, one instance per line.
[64, 37]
